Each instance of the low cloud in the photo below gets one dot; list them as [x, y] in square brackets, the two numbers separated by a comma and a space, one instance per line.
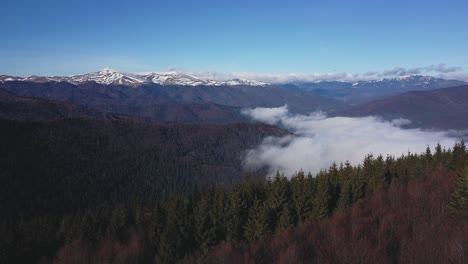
[371, 73]
[442, 68]
[319, 140]
[462, 76]
[439, 70]
[276, 78]
[400, 71]
[397, 71]
[267, 115]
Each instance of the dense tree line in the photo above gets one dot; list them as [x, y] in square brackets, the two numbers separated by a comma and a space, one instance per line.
[65, 165]
[405, 222]
[185, 226]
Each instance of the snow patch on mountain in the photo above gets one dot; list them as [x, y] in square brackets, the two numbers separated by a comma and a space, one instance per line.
[108, 76]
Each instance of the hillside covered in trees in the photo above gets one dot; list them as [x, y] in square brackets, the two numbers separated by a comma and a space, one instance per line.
[83, 186]
[419, 221]
[385, 210]
[57, 165]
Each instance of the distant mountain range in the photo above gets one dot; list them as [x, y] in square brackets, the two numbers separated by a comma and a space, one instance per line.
[176, 97]
[108, 76]
[365, 91]
[173, 103]
[348, 92]
[440, 109]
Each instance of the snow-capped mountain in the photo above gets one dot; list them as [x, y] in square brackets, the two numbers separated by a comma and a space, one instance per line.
[175, 78]
[244, 82]
[108, 76]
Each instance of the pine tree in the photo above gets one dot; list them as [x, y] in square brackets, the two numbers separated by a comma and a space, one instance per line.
[301, 197]
[236, 215]
[285, 219]
[257, 223]
[345, 198]
[205, 228]
[457, 161]
[321, 201]
[390, 171]
[176, 240]
[459, 199]
[336, 179]
[219, 212]
[374, 171]
[438, 155]
[277, 197]
[428, 157]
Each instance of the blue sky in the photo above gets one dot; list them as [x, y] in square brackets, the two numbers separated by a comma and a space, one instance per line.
[69, 37]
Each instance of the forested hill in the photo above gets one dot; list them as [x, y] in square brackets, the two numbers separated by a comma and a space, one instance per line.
[174, 103]
[42, 109]
[38, 109]
[420, 221]
[81, 186]
[384, 210]
[70, 163]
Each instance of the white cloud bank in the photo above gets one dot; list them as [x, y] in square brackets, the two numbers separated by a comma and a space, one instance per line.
[440, 70]
[319, 141]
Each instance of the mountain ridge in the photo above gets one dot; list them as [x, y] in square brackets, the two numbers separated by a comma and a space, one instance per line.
[445, 108]
[108, 76]
[141, 101]
[357, 92]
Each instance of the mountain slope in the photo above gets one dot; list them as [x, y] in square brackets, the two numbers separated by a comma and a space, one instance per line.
[143, 100]
[365, 91]
[39, 109]
[49, 165]
[441, 109]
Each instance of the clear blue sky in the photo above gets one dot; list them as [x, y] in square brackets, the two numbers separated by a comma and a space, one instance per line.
[61, 37]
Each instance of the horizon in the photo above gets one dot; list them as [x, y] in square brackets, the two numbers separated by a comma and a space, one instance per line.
[366, 39]
[451, 73]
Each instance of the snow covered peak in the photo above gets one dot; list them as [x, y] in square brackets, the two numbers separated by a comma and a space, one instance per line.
[109, 76]
[7, 78]
[415, 77]
[234, 82]
[175, 78]
[107, 72]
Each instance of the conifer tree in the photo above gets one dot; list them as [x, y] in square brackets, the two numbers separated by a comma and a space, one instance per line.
[277, 197]
[205, 228]
[345, 198]
[257, 223]
[457, 161]
[459, 199]
[321, 201]
[301, 197]
[428, 157]
[236, 215]
[285, 219]
[438, 155]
